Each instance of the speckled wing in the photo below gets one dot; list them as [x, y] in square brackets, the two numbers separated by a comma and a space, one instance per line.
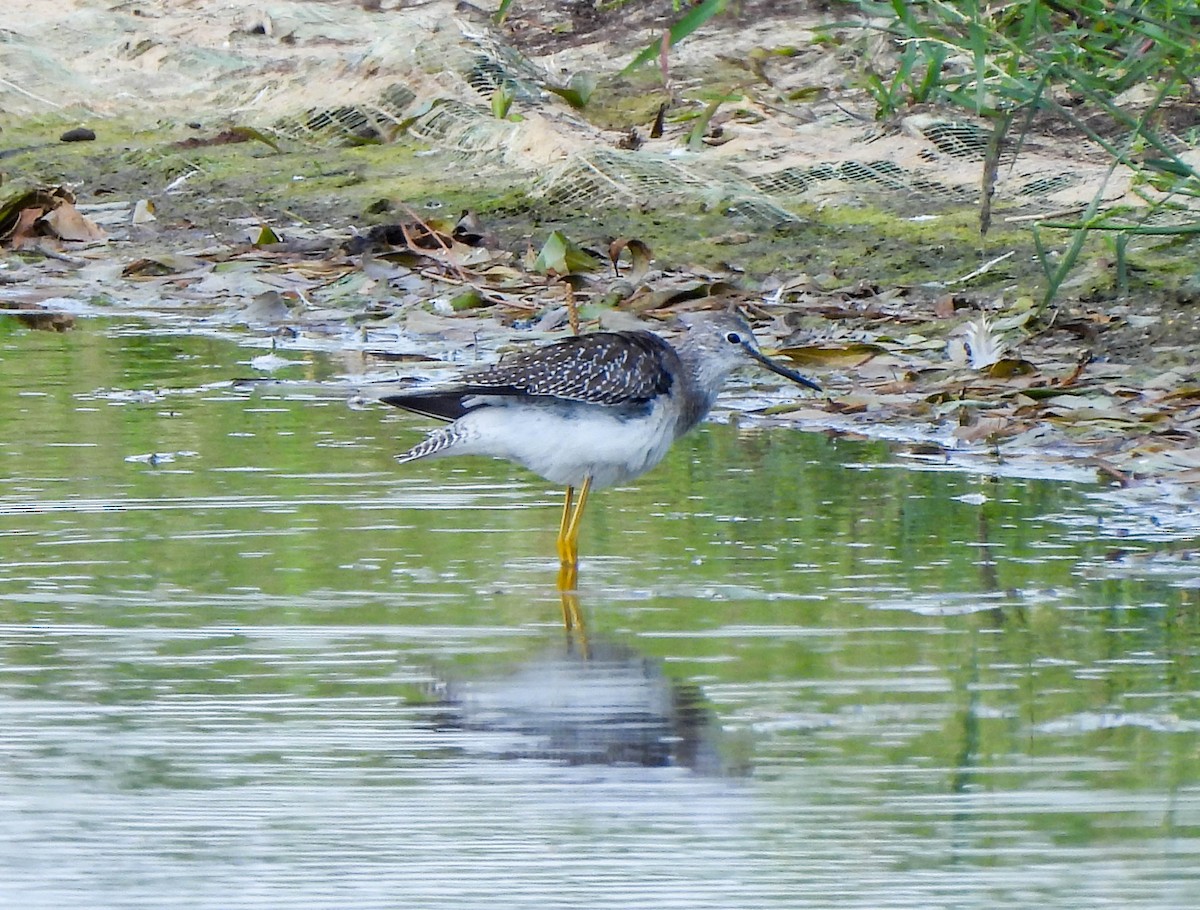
[603, 368]
[607, 368]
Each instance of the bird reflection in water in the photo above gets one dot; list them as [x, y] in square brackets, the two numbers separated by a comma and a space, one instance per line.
[593, 701]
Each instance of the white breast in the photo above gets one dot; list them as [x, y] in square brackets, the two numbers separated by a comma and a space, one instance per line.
[567, 443]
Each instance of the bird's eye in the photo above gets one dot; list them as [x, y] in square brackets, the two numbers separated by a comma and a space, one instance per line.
[733, 338]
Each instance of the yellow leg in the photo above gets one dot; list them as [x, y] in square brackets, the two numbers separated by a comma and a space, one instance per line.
[573, 624]
[563, 526]
[570, 611]
[569, 545]
[568, 578]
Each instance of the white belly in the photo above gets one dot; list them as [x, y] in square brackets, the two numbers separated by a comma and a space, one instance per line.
[567, 444]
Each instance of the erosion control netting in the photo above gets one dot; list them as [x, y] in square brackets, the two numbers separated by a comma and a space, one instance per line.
[337, 72]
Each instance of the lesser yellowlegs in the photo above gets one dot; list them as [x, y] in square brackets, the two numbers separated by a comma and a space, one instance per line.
[589, 411]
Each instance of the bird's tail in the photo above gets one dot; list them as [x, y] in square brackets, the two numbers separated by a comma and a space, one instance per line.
[436, 443]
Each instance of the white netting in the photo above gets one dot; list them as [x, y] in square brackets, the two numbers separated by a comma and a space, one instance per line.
[334, 71]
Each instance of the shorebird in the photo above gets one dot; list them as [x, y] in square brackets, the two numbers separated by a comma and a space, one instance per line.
[589, 411]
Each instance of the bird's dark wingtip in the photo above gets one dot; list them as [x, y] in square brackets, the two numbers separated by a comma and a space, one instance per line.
[440, 405]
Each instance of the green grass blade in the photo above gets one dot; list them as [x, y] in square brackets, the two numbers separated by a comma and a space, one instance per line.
[694, 19]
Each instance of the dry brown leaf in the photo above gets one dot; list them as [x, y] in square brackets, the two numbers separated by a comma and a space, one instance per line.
[162, 264]
[1190, 392]
[854, 404]
[986, 428]
[943, 307]
[24, 232]
[801, 412]
[66, 223]
[644, 301]
[639, 253]
[1090, 415]
[1080, 364]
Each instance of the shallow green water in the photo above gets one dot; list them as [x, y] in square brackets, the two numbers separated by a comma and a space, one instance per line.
[268, 667]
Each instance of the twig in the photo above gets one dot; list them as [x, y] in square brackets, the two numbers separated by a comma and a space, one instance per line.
[572, 308]
[1042, 216]
[1080, 365]
[986, 267]
[29, 94]
[51, 253]
[1109, 471]
[437, 239]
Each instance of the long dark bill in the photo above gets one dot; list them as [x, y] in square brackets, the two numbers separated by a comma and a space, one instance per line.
[782, 370]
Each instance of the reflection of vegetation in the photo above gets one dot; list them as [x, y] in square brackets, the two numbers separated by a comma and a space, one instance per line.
[1029, 62]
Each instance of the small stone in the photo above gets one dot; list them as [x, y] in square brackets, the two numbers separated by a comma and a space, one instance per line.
[79, 134]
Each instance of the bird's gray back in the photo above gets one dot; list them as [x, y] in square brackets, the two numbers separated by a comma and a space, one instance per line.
[605, 368]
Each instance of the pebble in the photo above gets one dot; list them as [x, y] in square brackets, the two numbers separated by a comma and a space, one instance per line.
[79, 134]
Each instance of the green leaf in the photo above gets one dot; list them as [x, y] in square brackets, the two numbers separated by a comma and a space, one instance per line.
[695, 140]
[694, 19]
[250, 133]
[560, 256]
[502, 99]
[469, 298]
[578, 91]
[267, 236]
